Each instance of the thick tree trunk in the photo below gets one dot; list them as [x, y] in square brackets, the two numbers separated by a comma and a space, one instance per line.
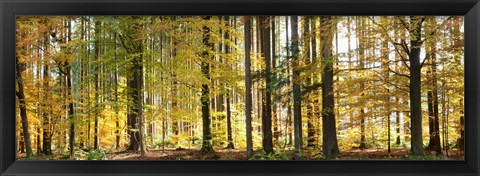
[134, 84]
[205, 99]
[415, 86]
[267, 115]
[330, 145]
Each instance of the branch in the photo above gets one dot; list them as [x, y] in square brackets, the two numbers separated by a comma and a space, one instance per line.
[423, 19]
[60, 69]
[424, 59]
[310, 88]
[403, 23]
[398, 87]
[404, 45]
[399, 74]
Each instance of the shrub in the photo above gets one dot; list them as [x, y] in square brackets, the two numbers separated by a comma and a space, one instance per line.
[276, 155]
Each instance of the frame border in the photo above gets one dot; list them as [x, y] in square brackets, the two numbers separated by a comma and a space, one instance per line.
[470, 9]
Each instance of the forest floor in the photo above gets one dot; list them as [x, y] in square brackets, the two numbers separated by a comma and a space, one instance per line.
[240, 154]
[235, 154]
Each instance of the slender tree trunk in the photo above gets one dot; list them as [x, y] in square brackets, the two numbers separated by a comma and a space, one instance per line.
[248, 86]
[47, 133]
[275, 117]
[297, 97]
[386, 75]
[361, 27]
[230, 144]
[311, 138]
[432, 96]
[316, 99]
[288, 104]
[117, 107]
[96, 141]
[23, 107]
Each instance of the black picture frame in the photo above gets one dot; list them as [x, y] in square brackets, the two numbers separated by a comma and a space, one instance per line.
[11, 8]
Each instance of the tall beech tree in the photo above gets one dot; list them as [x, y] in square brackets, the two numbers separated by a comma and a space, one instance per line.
[267, 115]
[330, 144]
[132, 41]
[205, 99]
[248, 87]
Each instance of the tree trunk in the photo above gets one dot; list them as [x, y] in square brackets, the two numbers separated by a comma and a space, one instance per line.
[205, 99]
[248, 87]
[311, 138]
[134, 49]
[330, 146]
[432, 96]
[362, 59]
[23, 107]
[288, 104]
[47, 133]
[96, 141]
[267, 115]
[386, 75]
[297, 97]
[415, 86]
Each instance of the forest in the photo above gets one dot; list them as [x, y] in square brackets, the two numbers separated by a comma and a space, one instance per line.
[239, 87]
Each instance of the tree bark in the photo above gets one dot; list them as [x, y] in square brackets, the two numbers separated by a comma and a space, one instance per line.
[330, 144]
[205, 99]
[432, 96]
[267, 115]
[415, 86]
[47, 132]
[23, 107]
[311, 138]
[297, 97]
[248, 86]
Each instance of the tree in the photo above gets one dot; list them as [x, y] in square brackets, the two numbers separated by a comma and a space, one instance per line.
[415, 30]
[248, 87]
[267, 115]
[96, 138]
[20, 67]
[330, 144]
[297, 111]
[432, 95]
[132, 41]
[205, 99]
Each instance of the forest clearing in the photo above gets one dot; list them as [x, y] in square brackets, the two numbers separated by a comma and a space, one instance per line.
[240, 87]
